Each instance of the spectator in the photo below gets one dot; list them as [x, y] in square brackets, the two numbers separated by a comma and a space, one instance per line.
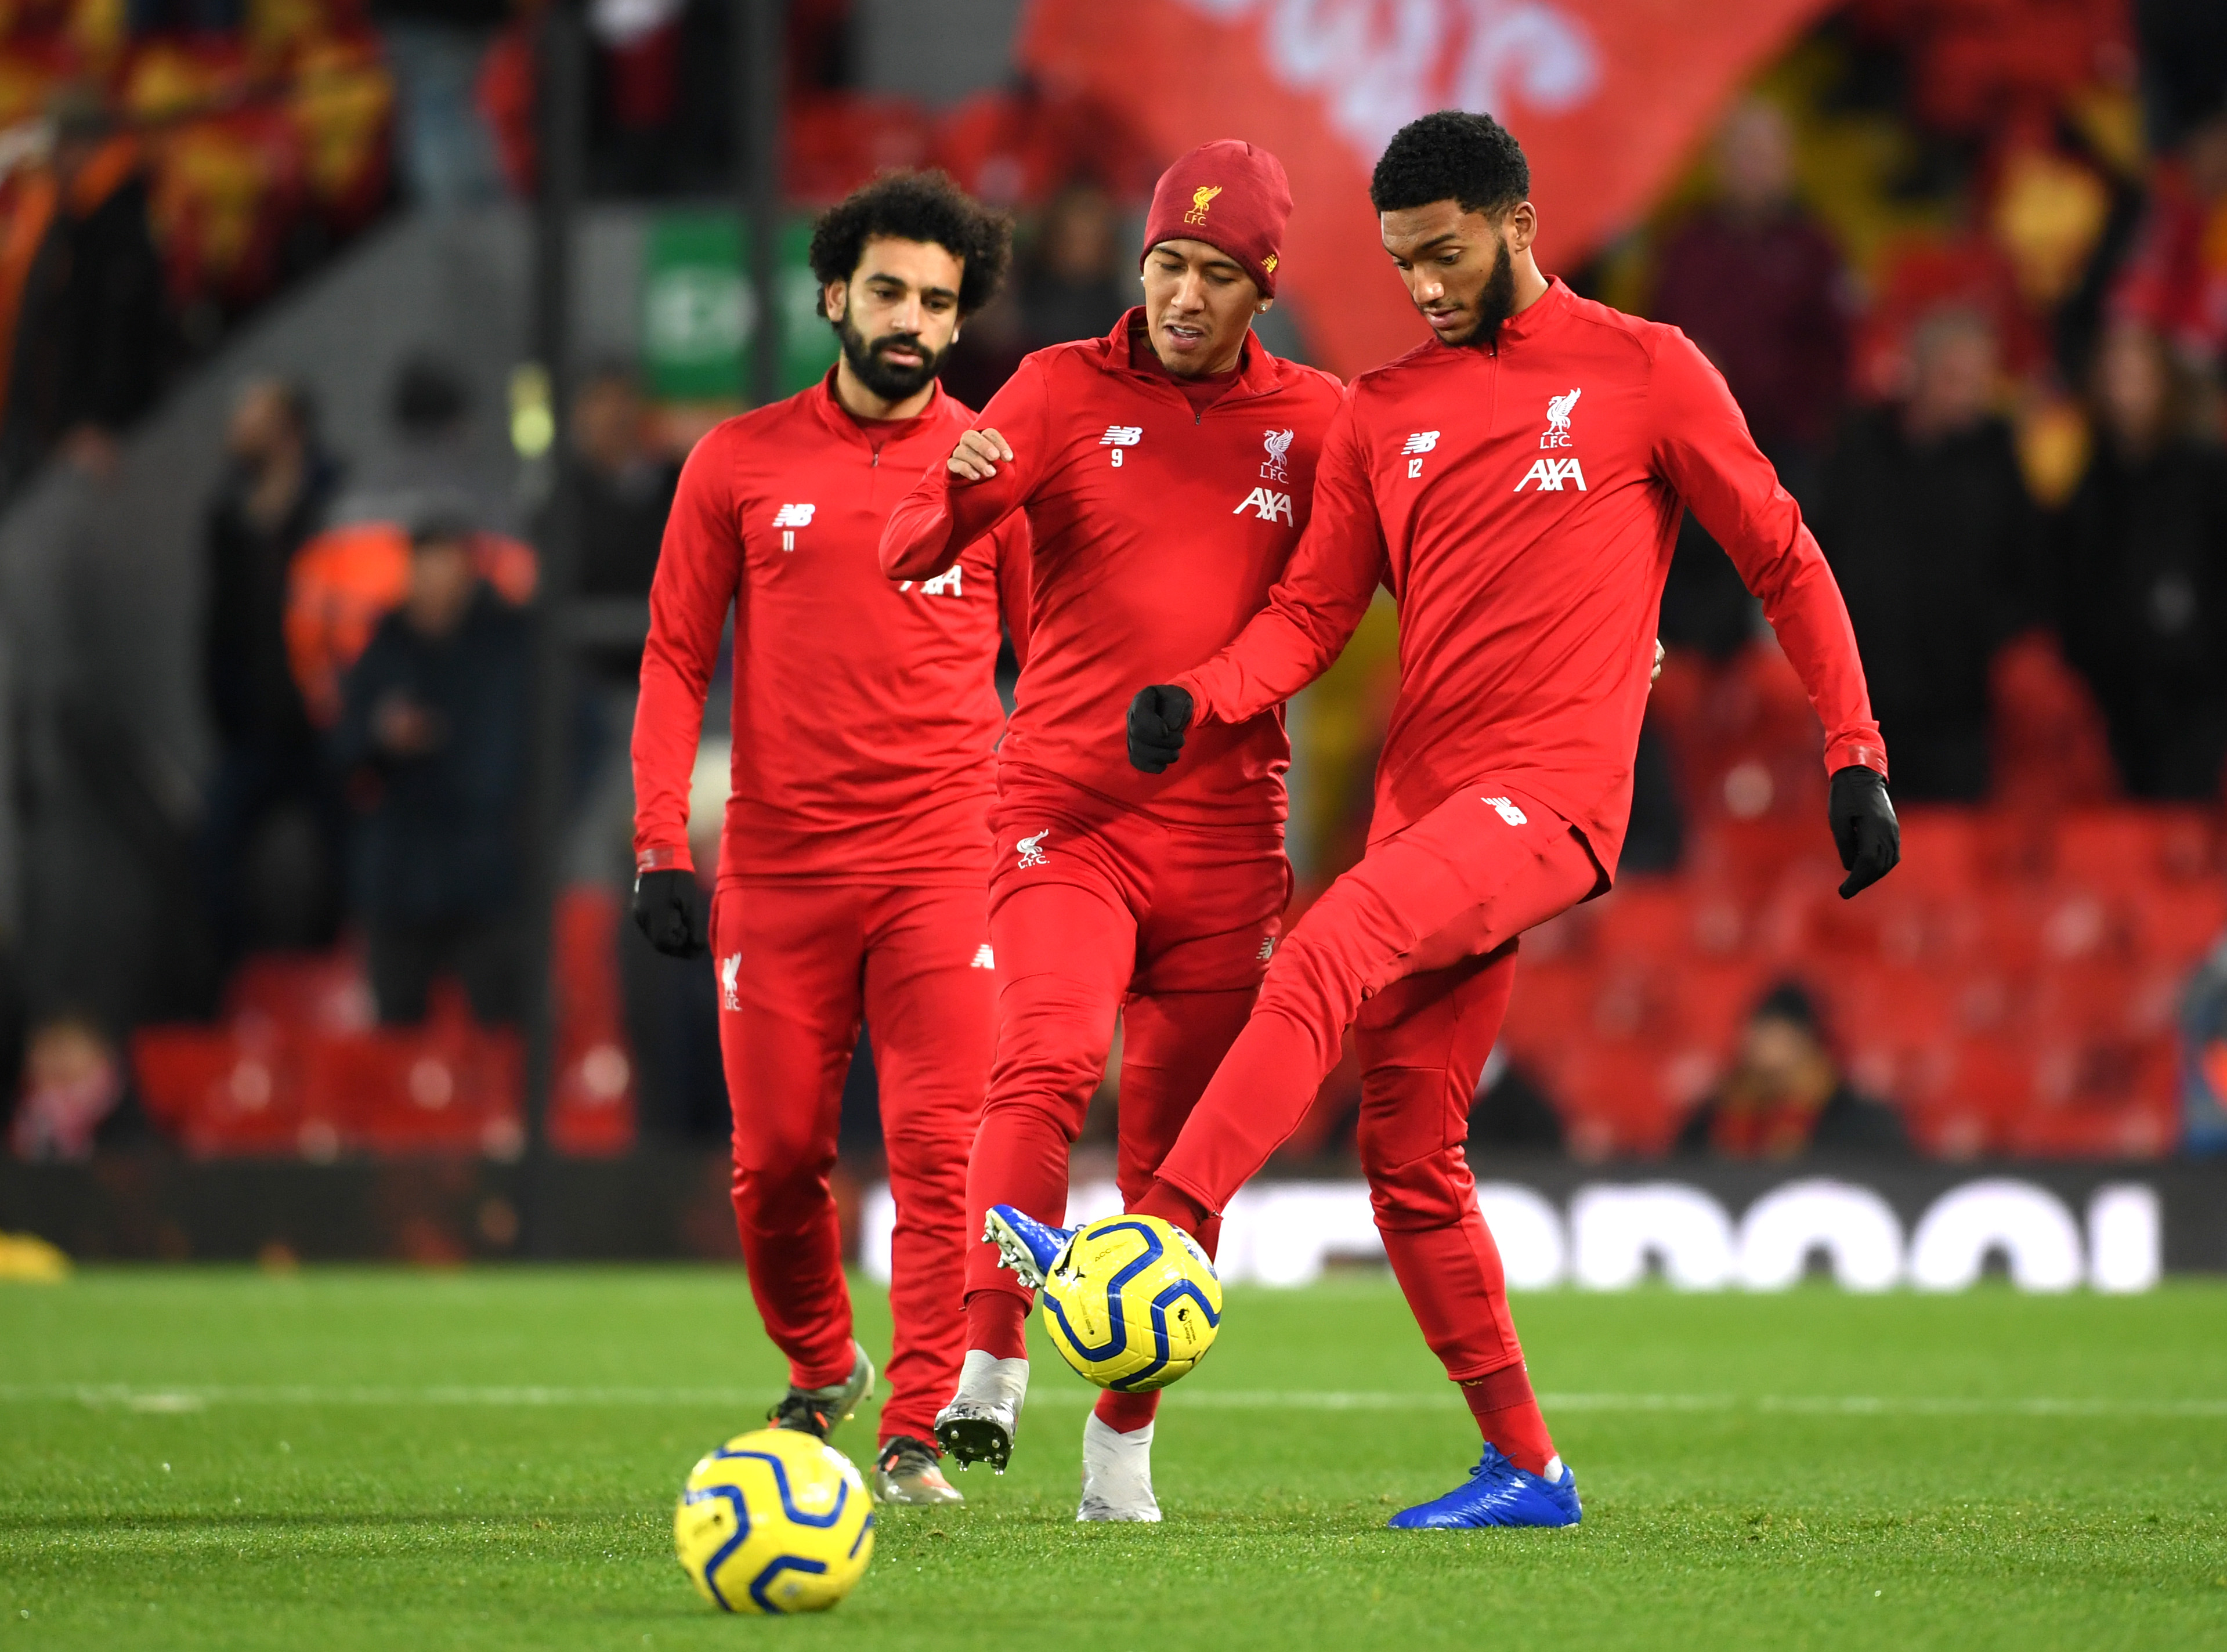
[273, 498]
[87, 352]
[1755, 281]
[1786, 1096]
[2204, 1055]
[434, 729]
[2175, 281]
[1076, 287]
[73, 1084]
[1509, 1111]
[447, 152]
[1923, 514]
[625, 492]
[2140, 586]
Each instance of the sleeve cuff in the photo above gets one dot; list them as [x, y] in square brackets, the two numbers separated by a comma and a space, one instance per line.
[1201, 703]
[666, 857]
[1856, 752]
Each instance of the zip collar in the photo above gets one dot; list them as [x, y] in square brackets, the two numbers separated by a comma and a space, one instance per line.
[873, 434]
[1548, 309]
[1257, 370]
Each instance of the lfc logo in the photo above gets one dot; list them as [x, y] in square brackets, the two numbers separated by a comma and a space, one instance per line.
[1279, 443]
[1557, 433]
[1201, 199]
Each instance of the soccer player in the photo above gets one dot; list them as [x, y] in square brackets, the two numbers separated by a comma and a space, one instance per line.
[856, 839]
[1518, 482]
[1164, 472]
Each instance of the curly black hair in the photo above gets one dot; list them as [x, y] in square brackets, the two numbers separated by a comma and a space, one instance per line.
[916, 206]
[1451, 156]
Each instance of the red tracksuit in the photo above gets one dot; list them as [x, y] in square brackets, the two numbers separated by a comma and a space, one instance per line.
[1522, 501]
[1160, 516]
[853, 858]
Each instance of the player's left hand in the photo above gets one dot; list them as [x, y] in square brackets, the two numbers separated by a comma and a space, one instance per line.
[1865, 830]
[1158, 717]
[1655, 676]
[665, 911]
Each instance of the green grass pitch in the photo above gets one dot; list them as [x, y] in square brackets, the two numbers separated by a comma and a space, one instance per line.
[342, 1459]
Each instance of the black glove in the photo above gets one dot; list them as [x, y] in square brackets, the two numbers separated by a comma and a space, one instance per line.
[1158, 717]
[665, 910]
[1865, 830]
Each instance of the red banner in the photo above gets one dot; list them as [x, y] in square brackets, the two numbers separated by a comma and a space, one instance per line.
[1608, 98]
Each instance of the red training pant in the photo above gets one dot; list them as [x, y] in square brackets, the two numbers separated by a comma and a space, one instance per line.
[1098, 910]
[1415, 947]
[798, 963]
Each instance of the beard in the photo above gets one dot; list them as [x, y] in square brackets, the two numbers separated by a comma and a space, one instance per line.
[1496, 300]
[890, 380]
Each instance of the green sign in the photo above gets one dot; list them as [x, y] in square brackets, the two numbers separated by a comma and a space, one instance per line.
[699, 314]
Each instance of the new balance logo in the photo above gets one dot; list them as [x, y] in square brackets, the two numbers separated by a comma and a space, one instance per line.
[1267, 949]
[1121, 435]
[1506, 809]
[1551, 474]
[730, 976]
[1030, 850]
[1421, 442]
[1268, 507]
[984, 957]
[794, 516]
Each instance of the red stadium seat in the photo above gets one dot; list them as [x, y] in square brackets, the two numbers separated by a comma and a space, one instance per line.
[593, 1112]
[224, 1092]
[1630, 1098]
[302, 991]
[449, 1087]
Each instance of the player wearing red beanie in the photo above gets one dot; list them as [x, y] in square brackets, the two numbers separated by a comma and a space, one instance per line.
[1164, 472]
[856, 836]
[1518, 483]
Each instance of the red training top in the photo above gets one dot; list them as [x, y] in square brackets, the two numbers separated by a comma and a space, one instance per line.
[1159, 530]
[1522, 500]
[866, 714]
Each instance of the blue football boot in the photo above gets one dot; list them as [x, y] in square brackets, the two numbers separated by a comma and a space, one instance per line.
[1031, 1248]
[1497, 1493]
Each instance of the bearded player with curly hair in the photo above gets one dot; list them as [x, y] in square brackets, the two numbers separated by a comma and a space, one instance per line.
[856, 842]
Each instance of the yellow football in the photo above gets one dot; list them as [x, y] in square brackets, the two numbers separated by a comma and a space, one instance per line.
[1133, 1303]
[773, 1521]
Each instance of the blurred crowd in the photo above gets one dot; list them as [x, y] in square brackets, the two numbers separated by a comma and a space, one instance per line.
[1964, 266]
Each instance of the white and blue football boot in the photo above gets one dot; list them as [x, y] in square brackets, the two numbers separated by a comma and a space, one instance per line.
[979, 1423]
[1031, 1248]
[1497, 1493]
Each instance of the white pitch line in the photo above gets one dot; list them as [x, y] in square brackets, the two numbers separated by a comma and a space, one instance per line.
[191, 1396]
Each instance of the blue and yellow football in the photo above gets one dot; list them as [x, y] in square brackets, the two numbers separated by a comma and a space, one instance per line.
[1132, 1302]
[773, 1521]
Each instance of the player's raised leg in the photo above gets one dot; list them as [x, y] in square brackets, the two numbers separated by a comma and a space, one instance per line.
[1063, 952]
[930, 994]
[788, 958]
[1459, 883]
[1423, 1041]
[1451, 889]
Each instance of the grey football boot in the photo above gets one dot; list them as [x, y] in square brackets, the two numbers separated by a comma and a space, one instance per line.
[908, 1474]
[819, 1412]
